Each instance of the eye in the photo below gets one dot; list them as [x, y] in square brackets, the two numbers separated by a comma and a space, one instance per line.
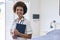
[17, 10]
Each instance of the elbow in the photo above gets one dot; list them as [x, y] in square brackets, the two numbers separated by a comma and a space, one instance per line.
[29, 36]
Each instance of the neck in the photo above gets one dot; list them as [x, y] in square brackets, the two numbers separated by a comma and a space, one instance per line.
[20, 18]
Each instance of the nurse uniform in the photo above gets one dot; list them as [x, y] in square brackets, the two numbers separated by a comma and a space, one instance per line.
[28, 27]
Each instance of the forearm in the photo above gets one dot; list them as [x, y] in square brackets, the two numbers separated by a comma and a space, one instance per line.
[28, 36]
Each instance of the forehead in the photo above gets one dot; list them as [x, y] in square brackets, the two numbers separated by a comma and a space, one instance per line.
[19, 7]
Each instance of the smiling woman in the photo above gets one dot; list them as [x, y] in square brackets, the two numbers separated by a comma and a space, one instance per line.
[20, 9]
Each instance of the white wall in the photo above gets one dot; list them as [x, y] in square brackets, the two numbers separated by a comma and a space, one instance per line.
[49, 11]
[34, 9]
[9, 19]
[2, 19]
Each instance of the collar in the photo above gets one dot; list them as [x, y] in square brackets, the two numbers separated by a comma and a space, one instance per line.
[22, 19]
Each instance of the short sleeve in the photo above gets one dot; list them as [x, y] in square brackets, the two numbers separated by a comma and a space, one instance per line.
[28, 28]
[13, 26]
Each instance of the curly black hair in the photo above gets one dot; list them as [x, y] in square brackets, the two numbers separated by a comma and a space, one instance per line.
[20, 4]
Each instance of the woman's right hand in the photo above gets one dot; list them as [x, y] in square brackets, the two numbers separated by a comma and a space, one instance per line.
[11, 32]
[14, 37]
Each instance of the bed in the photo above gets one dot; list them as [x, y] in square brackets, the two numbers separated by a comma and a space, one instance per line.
[52, 35]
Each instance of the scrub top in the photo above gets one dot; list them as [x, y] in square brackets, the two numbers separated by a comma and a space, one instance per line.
[22, 21]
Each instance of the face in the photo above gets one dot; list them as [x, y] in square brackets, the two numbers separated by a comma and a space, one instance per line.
[19, 11]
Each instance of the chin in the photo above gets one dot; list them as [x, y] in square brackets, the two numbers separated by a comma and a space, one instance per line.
[19, 16]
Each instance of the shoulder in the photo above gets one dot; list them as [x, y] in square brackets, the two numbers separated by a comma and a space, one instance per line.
[26, 21]
[15, 20]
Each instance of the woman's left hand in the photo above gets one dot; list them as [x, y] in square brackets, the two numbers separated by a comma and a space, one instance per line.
[16, 32]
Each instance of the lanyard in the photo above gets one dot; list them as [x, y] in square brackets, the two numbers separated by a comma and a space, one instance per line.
[21, 21]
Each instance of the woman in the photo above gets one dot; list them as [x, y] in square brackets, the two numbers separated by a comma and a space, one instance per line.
[20, 9]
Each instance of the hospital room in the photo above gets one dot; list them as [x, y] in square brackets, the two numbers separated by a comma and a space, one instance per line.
[44, 17]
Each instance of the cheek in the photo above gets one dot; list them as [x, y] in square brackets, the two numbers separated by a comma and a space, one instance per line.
[19, 14]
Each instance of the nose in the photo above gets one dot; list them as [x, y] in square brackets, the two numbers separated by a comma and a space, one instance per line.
[19, 11]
